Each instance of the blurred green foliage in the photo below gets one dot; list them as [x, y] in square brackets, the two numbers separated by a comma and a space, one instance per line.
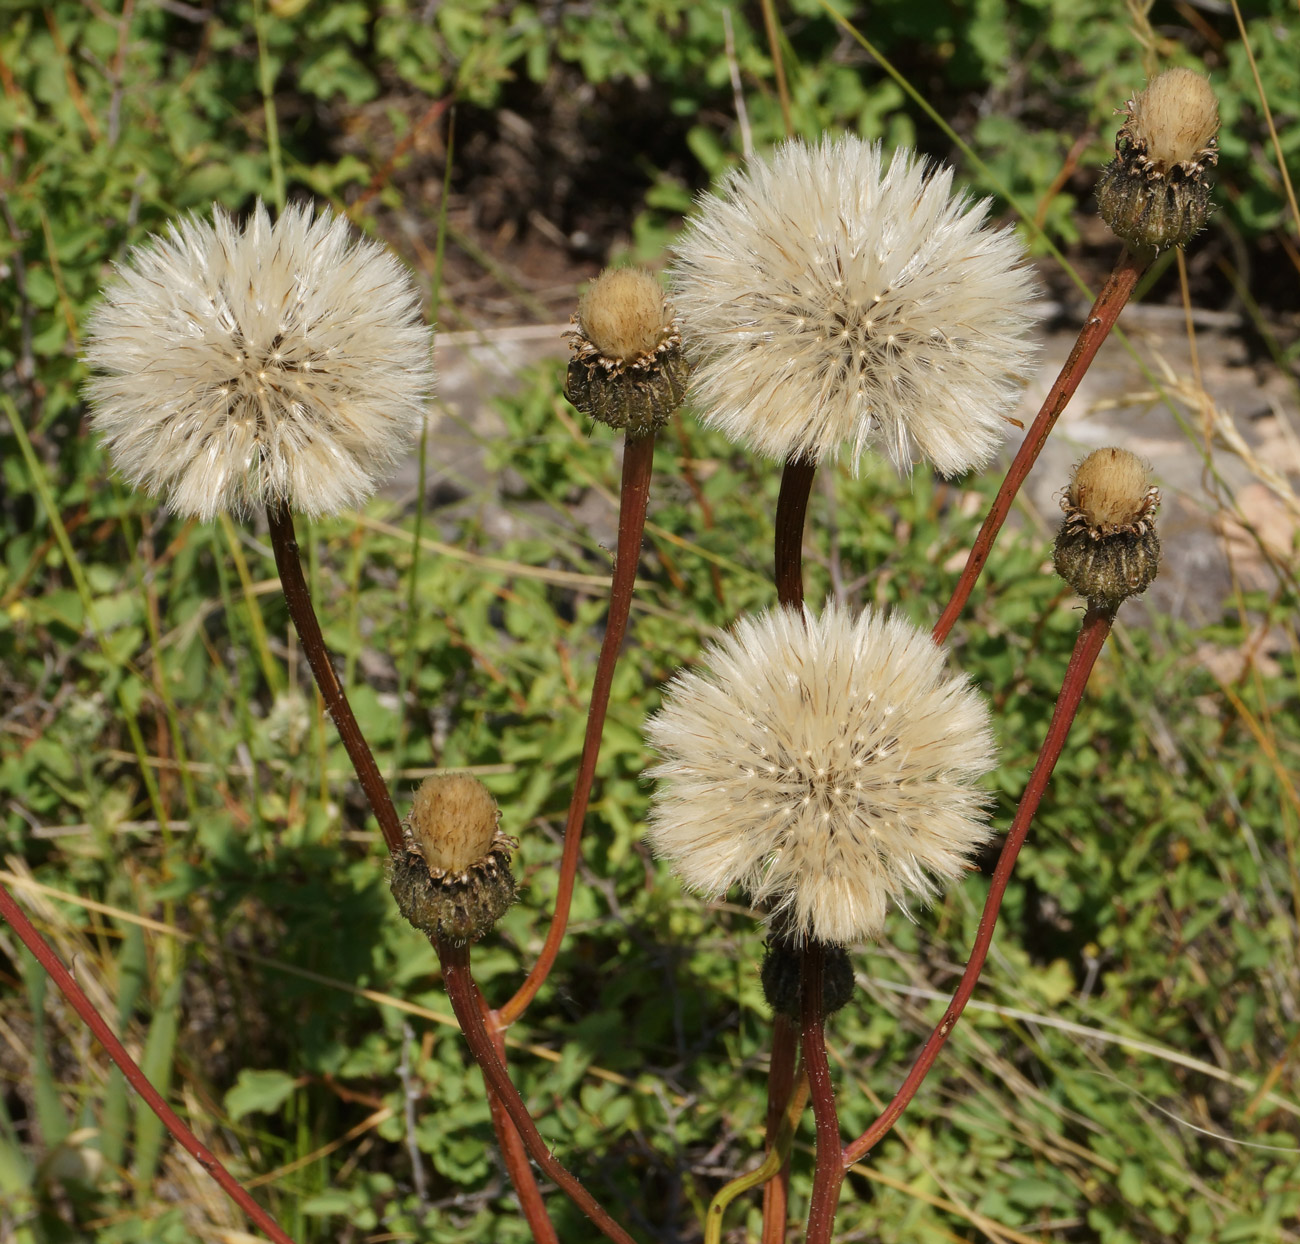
[161, 752]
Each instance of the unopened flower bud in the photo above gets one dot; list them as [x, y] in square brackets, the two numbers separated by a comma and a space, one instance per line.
[782, 977]
[1154, 192]
[1107, 549]
[627, 370]
[452, 880]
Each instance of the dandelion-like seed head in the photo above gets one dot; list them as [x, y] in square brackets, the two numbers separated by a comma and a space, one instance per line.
[825, 764]
[830, 300]
[241, 365]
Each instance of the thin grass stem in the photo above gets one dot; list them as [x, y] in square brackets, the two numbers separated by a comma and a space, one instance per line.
[267, 86]
[422, 467]
[773, 31]
[778, 1156]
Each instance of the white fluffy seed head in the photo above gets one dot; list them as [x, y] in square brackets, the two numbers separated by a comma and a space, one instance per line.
[238, 366]
[825, 764]
[828, 301]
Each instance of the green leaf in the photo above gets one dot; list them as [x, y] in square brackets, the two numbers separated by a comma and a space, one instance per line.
[259, 1091]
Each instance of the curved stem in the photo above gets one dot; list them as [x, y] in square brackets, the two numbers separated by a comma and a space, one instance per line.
[512, 1148]
[1101, 319]
[828, 1174]
[76, 996]
[791, 510]
[465, 1001]
[296, 596]
[1092, 635]
[780, 1081]
[638, 461]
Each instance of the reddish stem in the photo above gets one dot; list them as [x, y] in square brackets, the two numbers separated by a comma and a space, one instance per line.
[136, 1078]
[296, 596]
[638, 461]
[512, 1147]
[1092, 635]
[1101, 319]
[828, 1174]
[780, 1084]
[791, 510]
[466, 1002]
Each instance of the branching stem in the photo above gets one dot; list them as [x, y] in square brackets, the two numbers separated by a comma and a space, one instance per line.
[296, 596]
[638, 461]
[466, 1002]
[1101, 319]
[1092, 635]
[512, 1147]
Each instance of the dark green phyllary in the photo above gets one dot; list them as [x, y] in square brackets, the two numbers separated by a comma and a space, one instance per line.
[452, 880]
[627, 370]
[782, 973]
[1107, 549]
[1155, 193]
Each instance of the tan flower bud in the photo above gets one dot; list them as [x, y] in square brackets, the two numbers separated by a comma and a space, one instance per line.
[1175, 120]
[622, 314]
[1154, 193]
[453, 879]
[627, 369]
[1107, 549]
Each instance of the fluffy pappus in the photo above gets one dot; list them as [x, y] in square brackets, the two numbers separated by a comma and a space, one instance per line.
[237, 366]
[826, 764]
[832, 301]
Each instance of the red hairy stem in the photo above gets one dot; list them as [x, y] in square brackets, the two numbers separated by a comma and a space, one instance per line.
[791, 510]
[828, 1174]
[638, 462]
[301, 611]
[780, 1084]
[512, 1147]
[1101, 319]
[1092, 635]
[466, 1002]
[45, 956]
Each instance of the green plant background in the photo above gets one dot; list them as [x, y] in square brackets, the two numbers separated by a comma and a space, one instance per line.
[162, 756]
